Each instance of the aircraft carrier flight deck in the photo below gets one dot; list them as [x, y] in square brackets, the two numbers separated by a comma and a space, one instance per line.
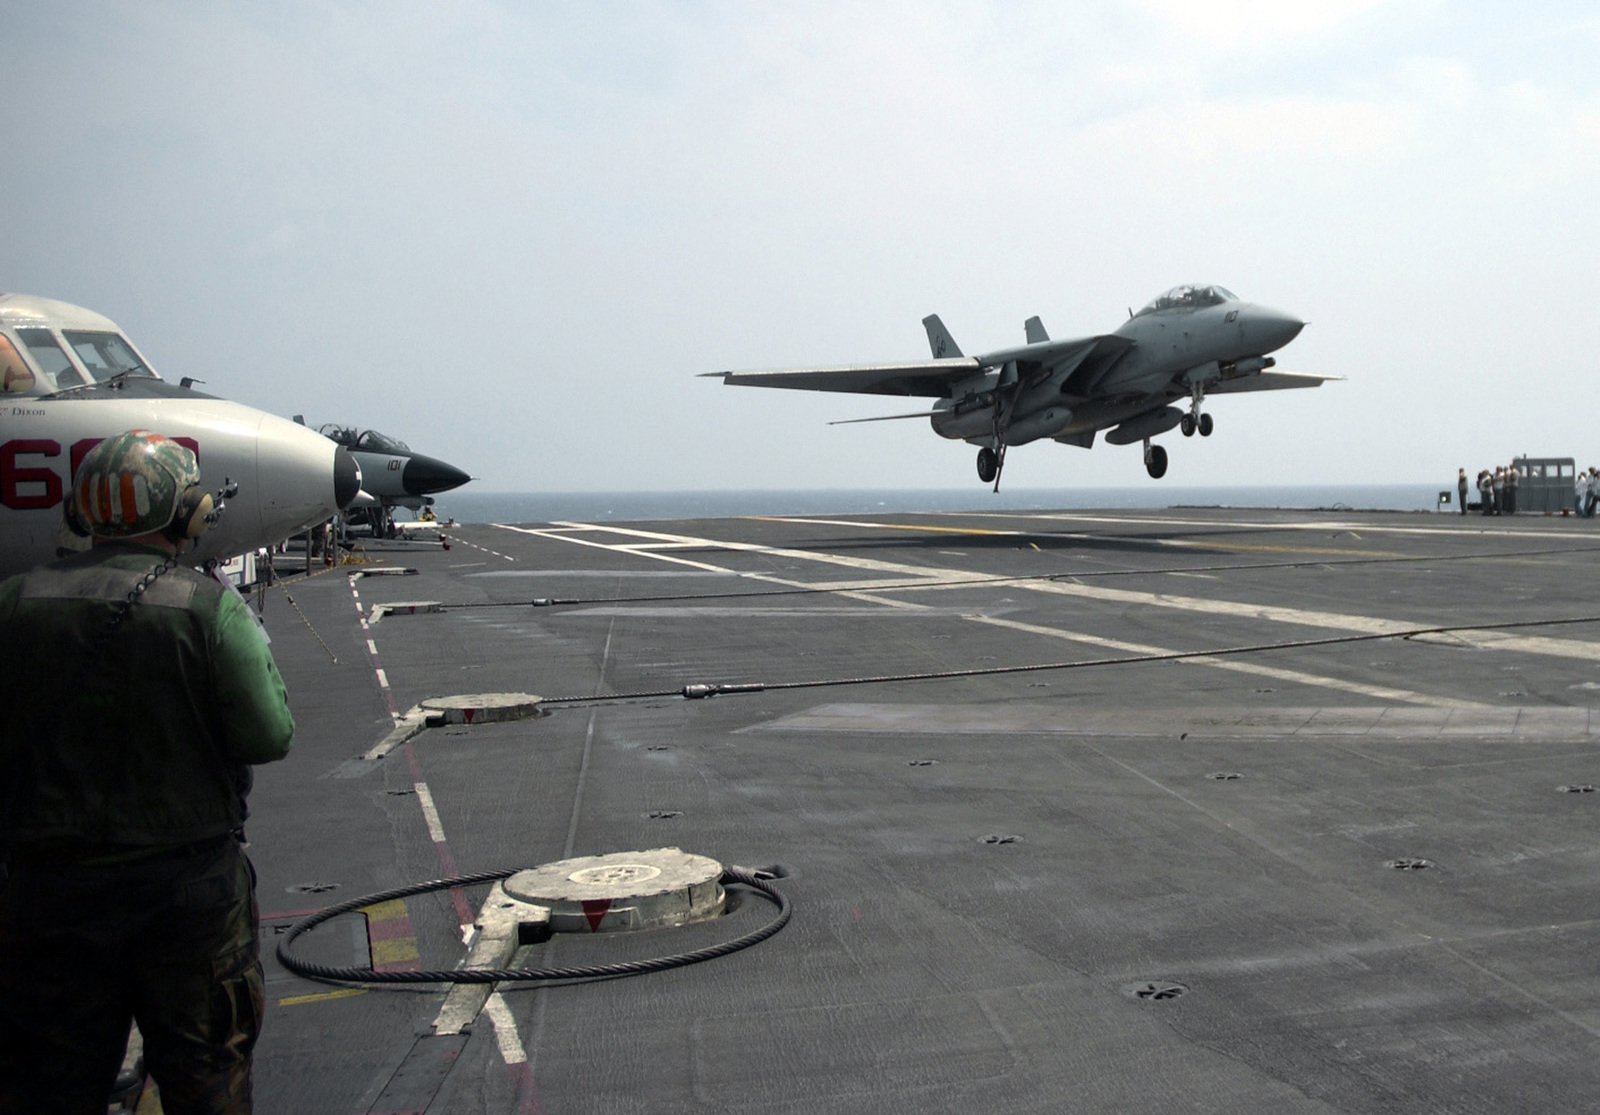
[1196, 809]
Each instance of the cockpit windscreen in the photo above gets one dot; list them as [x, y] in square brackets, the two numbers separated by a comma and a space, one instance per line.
[372, 441]
[43, 348]
[1188, 297]
[105, 354]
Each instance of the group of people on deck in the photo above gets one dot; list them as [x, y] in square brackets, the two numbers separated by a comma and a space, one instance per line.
[1586, 492]
[1497, 491]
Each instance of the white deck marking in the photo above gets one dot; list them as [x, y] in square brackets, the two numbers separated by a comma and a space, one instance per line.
[429, 813]
[1299, 677]
[383, 679]
[1310, 525]
[1242, 666]
[505, 1030]
[1579, 649]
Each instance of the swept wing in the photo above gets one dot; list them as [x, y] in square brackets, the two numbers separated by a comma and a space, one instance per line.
[933, 379]
[928, 378]
[1268, 381]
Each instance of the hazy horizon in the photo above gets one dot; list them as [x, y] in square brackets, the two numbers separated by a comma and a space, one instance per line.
[514, 235]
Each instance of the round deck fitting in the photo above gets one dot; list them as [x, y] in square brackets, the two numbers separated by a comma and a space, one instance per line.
[483, 708]
[624, 890]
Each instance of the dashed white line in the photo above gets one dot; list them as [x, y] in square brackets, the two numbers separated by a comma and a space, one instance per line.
[429, 813]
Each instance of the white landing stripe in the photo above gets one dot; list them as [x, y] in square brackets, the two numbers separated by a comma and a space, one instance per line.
[1315, 525]
[505, 1030]
[429, 813]
[1236, 665]
[1579, 649]
[372, 648]
[1239, 665]
[383, 678]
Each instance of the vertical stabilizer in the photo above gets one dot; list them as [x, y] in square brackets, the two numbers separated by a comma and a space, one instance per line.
[939, 338]
[1034, 328]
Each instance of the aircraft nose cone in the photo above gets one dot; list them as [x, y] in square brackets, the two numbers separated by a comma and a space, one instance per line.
[346, 477]
[423, 476]
[1273, 328]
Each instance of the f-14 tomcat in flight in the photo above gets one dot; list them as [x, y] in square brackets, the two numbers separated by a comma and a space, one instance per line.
[1188, 343]
[69, 378]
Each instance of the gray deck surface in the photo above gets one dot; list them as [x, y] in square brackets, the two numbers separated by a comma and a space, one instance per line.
[928, 967]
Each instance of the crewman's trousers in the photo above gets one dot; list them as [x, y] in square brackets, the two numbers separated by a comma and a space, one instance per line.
[170, 940]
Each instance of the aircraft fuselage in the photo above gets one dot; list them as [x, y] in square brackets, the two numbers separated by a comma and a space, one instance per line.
[72, 379]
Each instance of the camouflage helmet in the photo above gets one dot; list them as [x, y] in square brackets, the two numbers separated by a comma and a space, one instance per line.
[133, 483]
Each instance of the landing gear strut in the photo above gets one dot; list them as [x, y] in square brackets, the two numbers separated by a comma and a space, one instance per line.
[1155, 460]
[1195, 420]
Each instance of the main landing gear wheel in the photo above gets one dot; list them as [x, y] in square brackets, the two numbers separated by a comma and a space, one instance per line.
[1187, 425]
[1205, 425]
[988, 464]
[1155, 462]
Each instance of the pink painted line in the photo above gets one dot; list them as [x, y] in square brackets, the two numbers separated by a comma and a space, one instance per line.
[527, 1095]
[383, 929]
[413, 965]
[447, 861]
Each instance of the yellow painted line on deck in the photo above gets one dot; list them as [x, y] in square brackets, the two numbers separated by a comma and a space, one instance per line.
[919, 528]
[321, 996]
[1175, 543]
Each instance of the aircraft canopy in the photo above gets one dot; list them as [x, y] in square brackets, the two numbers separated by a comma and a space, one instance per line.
[1188, 297]
[367, 441]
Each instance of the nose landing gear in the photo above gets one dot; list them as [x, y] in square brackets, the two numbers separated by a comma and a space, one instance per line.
[1155, 460]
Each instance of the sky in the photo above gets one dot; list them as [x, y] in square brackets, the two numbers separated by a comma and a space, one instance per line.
[514, 234]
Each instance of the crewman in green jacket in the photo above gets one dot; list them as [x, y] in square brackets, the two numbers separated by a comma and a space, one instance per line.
[136, 692]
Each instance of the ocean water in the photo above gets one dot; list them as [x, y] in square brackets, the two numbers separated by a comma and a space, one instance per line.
[469, 506]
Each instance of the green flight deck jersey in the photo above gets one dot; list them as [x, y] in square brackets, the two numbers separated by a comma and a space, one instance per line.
[134, 733]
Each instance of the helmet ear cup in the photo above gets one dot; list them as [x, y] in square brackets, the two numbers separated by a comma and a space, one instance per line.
[192, 511]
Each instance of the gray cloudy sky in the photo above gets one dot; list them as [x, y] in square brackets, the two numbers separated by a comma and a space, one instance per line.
[513, 233]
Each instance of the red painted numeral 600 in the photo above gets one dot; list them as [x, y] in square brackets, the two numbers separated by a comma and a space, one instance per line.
[14, 478]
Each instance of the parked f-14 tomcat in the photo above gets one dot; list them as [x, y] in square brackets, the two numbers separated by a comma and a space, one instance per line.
[1188, 343]
[391, 476]
[69, 378]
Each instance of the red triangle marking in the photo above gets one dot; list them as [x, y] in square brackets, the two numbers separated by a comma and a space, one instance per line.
[469, 713]
[594, 910]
